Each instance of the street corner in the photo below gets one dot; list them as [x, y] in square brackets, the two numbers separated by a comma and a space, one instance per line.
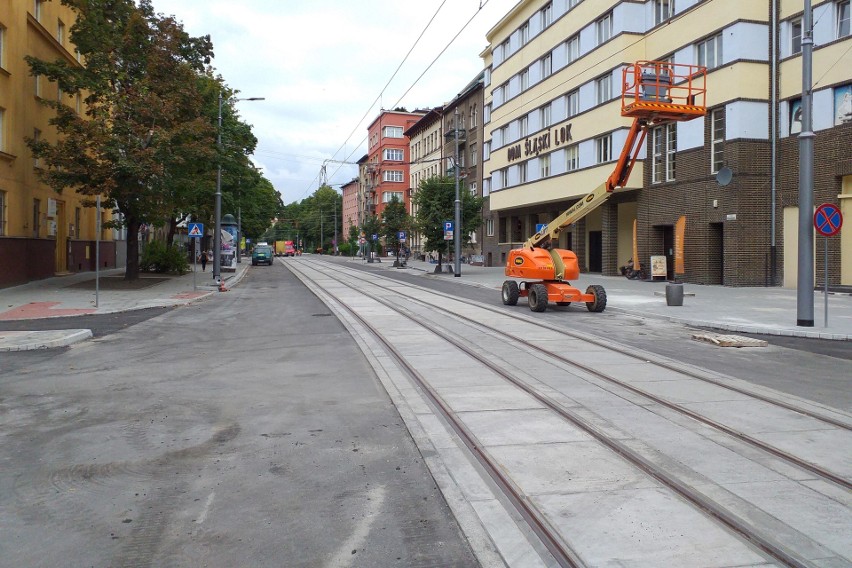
[31, 340]
[39, 310]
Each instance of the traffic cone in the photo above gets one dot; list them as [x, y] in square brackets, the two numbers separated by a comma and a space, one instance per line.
[222, 286]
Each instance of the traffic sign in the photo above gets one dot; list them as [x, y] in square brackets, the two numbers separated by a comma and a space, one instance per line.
[448, 230]
[828, 220]
[539, 227]
[401, 236]
[375, 237]
[196, 230]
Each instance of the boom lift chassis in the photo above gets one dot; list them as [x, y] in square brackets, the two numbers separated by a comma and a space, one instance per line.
[653, 93]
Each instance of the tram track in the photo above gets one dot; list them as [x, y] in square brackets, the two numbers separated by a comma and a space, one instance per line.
[538, 522]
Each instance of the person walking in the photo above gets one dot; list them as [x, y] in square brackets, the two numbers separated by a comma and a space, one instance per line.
[203, 261]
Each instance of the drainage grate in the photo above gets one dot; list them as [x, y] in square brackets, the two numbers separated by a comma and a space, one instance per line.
[729, 340]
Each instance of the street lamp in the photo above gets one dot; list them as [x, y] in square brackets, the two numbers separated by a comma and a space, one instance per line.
[457, 236]
[217, 234]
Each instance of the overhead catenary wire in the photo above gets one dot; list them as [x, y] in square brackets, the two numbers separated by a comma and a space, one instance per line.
[379, 96]
[464, 27]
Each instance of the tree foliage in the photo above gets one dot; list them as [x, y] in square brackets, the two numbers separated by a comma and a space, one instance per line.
[144, 131]
[394, 219]
[435, 201]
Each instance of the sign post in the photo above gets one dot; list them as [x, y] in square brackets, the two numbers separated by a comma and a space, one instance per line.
[827, 221]
[196, 232]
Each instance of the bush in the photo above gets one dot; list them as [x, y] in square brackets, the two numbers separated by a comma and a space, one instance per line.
[159, 258]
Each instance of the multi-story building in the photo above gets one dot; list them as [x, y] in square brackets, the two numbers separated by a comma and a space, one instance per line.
[388, 158]
[465, 111]
[554, 74]
[349, 214]
[42, 233]
[427, 159]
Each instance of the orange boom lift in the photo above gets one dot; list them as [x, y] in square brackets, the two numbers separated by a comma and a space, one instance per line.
[653, 93]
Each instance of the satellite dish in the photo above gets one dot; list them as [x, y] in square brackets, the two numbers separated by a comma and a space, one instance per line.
[724, 176]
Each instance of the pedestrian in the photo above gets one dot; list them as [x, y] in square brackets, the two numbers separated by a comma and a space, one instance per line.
[203, 261]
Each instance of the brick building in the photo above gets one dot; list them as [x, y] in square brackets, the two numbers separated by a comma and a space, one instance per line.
[556, 66]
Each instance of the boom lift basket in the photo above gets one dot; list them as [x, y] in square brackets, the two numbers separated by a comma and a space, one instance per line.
[662, 90]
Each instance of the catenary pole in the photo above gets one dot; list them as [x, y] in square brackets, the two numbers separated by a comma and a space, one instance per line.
[805, 283]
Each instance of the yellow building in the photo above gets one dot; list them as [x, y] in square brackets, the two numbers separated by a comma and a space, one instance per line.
[553, 131]
[42, 233]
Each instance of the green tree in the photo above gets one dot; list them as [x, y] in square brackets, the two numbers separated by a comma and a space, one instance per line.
[435, 202]
[395, 219]
[372, 226]
[144, 122]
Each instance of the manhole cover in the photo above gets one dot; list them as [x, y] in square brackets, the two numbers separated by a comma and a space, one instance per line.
[729, 340]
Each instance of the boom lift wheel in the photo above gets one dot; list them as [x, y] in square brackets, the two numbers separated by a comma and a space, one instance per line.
[599, 304]
[537, 297]
[511, 293]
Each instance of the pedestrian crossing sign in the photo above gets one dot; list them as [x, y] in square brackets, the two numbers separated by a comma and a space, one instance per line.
[196, 230]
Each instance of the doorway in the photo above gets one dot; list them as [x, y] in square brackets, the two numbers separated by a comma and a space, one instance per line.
[716, 254]
[595, 251]
[668, 247]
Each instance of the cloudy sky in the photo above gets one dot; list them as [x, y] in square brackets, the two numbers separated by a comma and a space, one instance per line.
[323, 65]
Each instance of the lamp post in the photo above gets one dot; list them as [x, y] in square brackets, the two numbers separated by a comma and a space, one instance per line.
[217, 230]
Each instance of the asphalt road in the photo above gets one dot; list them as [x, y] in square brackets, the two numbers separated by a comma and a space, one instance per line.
[245, 431]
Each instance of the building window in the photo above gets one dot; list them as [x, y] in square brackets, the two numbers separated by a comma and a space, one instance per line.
[2, 47]
[546, 15]
[524, 79]
[2, 130]
[37, 85]
[36, 217]
[524, 34]
[603, 29]
[603, 148]
[544, 166]
[2, 213]
[473, 189]
[486, 187]
[486, 114]
[392, 132]
[37, 9]
[546, 66]
[709, 52]
[572, 49]
[489, 227]
[717, 139]
[796, 36]
[523, 126]
[60, 32]
[522, 172]
[36, 139]
[393, 154]
[663, 10]
[389, 196]
[572, 3]
[664, 144]
[572, 158]
[842, 18]
[486, 150]
[603, 88]
[572, 103]
[392, 175]
[473, 157]
[77, 218]
[545, 116]
[473, 116]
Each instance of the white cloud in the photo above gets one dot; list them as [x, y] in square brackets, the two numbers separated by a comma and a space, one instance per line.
[320, 64]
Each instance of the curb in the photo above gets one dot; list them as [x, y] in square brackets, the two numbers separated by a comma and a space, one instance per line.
[32, 340]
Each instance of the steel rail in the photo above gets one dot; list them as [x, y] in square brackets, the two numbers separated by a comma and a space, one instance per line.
[726, 518]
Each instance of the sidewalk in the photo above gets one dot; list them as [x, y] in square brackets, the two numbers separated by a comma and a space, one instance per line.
[76, 295]
[770, 311]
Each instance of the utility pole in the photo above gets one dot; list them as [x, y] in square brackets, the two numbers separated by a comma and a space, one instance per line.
[457, 235]
[805, 282]
[335, 223]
